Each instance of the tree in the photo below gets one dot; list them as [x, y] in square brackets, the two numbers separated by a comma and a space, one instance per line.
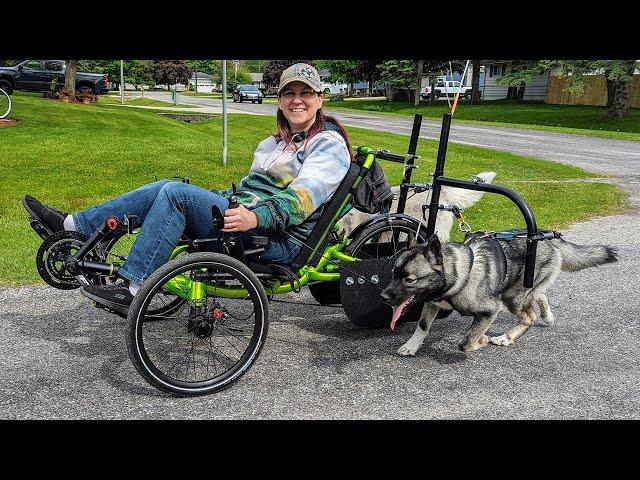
[70, 78]
[368, 70]
[242, 77]
[171, 72]
[475, 80]
[254, 66]
[204, 66]
[343, 71]
[140, 72]
[399, 75]
[416, 98]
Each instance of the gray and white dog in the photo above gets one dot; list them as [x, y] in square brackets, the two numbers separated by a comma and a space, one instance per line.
[480, 279]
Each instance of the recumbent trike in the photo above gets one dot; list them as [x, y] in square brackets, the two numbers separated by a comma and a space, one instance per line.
[200, 321]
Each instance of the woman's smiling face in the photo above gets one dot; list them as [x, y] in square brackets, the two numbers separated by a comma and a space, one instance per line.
[299, 104]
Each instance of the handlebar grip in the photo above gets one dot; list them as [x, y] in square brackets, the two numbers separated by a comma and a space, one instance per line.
[393, 157]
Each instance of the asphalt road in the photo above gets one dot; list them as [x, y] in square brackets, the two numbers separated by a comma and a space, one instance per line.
[63, 359]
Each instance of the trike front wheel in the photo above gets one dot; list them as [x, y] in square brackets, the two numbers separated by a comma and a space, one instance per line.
[205, 345]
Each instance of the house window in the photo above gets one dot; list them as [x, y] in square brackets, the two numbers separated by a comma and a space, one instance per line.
[497, 70]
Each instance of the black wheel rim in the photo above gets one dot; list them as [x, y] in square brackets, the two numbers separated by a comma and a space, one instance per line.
[197, 349]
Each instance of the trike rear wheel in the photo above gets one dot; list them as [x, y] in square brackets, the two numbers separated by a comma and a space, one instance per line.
[201, 347]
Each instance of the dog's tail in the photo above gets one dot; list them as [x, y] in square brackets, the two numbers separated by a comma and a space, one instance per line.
[465, 198]
[576, 257]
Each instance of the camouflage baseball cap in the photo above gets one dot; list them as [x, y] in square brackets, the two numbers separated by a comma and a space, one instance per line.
[300, 72]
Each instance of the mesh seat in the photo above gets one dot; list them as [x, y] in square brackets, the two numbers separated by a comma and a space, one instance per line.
[319, 238]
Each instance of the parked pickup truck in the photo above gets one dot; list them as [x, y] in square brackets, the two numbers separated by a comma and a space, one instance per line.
[37, 76]
[443, 88]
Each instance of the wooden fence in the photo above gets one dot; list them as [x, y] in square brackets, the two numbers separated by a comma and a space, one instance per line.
[595, 92]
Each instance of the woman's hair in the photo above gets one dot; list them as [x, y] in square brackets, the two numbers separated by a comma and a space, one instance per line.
[285, 134]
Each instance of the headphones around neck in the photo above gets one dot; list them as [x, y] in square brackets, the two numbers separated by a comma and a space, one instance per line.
[298, 137]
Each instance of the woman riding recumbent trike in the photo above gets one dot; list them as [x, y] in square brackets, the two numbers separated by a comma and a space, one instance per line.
[199, 321]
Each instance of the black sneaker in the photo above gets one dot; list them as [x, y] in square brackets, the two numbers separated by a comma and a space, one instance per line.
[50, 218]
[116, 296]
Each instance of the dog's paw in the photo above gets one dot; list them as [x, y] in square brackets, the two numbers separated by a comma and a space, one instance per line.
[502, 340]
[407, 350]
[549, 320]
[469, 346]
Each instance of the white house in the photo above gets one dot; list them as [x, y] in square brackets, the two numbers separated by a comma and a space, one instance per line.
[536, 89]
[256, 79]
[205, 81]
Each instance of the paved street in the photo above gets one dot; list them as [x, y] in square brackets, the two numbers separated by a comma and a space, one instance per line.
[64, 359]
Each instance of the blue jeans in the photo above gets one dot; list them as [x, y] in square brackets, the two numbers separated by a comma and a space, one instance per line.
[165, 210]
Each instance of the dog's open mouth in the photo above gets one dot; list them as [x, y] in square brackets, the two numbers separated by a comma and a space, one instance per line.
[399, 309]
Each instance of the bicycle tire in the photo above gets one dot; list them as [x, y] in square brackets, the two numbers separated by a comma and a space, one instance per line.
[5, 104]
[151, 355]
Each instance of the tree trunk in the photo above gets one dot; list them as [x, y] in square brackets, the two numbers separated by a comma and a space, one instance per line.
[620, 104]
[70, 78]
[611, 88]
[512, 93]
[475, 82]
[520, 94]
[416, 100]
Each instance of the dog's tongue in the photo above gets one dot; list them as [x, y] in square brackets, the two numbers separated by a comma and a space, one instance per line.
[398, 311]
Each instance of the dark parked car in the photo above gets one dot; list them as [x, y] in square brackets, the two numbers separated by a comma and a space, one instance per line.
[247, 92]
[39, 75]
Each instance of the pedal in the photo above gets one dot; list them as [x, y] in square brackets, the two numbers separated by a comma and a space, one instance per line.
[39, 229]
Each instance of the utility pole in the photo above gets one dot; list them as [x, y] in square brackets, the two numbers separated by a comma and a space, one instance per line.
[235, 74]
[224, 112]
[122, 82]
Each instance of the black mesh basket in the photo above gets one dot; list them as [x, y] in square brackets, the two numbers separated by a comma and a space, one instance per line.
[361, 283]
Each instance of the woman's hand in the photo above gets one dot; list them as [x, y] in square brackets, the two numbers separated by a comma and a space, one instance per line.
[239, 219]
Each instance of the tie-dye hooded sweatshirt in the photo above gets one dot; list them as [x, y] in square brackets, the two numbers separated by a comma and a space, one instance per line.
[288, 184]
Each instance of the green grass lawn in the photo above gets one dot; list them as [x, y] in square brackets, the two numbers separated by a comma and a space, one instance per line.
[574, 119]
[74, 156]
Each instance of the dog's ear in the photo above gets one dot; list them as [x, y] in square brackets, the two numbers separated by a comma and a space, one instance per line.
[433, 249]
